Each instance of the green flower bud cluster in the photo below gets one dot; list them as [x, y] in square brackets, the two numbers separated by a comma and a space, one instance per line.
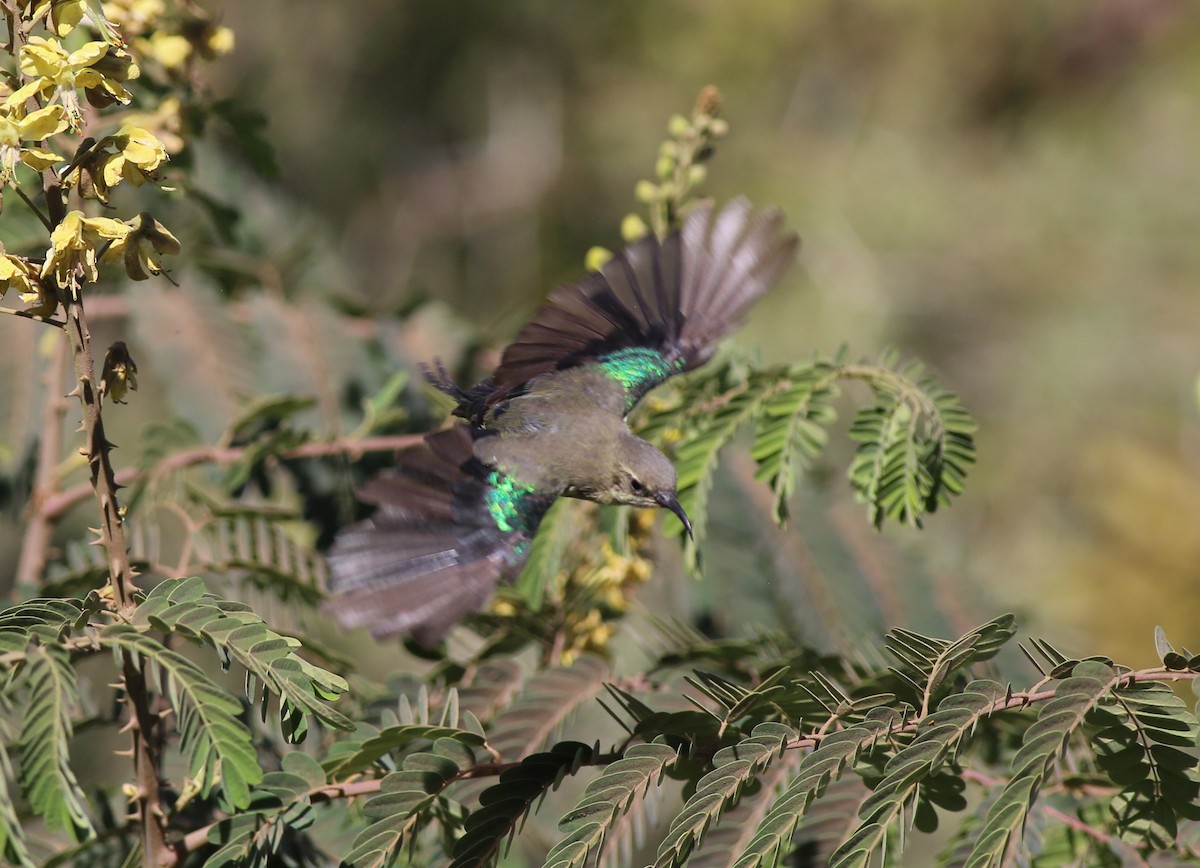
[679, 169]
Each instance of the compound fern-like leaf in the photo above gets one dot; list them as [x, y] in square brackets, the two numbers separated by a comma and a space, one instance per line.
[790, 431]
[738, 824]
[1074, 698]
[938, 738]
[12, 837]
[605, 799]
[927, 662]
[734, 768]
[18, 623]
[46, 776]
[404, 798]
[395, 738]
[706, 433]
[836, 752]
[543, 705]
[1146, 745]
[281, 803]
[915, 444]
[183, 606]
[504, 805]
[218, 747]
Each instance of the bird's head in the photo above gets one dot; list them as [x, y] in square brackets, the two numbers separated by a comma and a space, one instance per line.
[645, 477]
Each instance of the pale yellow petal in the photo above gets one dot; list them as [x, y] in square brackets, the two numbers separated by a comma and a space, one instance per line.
[66, 16]
[88, 54]
[106, 227]
[112, 171]
[39, 158]
[43, 123]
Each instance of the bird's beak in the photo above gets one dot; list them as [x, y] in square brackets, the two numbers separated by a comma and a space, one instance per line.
[669, 501]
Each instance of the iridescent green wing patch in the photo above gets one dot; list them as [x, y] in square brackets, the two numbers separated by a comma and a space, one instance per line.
[638, 370]
[515, 506]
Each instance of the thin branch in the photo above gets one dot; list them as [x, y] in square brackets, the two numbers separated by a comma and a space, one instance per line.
[34, 208]
[57, 323]
[1018, 700]
[35, 543]
[145, 724]
[55, 506]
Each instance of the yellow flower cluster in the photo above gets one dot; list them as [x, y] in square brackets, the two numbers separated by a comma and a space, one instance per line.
[98, 68]
[605, 588]
[130, 154]
[17, 128]
[20, 274]
[78, 242]
[45, 100]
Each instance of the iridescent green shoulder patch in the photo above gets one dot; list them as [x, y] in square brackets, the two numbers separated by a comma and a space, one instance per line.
[638, 370]
[512, 504]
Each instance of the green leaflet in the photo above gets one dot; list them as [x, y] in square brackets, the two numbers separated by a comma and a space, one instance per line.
[46, 775]
[183, 606]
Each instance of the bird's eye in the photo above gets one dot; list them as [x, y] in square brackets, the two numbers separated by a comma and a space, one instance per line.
[636, 484]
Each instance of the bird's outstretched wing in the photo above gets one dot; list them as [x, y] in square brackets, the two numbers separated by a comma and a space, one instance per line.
[656, 308]
[447, 530]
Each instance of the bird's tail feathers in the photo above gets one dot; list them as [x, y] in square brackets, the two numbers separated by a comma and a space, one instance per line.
[432, 553]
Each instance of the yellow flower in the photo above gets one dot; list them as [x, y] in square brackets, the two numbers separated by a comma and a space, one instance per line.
[35, 126]
[115, 68]
[65, 16]
[198, 35]
[97, 67]
[74, 244]
[135, 16]
[165, 123]
[143, 238]
[170, 49]
[17, 273]
[130, 154]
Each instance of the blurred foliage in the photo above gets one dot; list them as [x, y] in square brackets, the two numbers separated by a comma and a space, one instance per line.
[1003, 190]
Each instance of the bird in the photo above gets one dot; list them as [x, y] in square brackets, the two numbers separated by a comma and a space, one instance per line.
[458, 512]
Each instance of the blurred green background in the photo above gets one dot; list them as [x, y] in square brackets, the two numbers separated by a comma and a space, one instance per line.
[1008, 191]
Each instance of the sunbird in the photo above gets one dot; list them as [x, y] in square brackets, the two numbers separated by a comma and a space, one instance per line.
[459, 511]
